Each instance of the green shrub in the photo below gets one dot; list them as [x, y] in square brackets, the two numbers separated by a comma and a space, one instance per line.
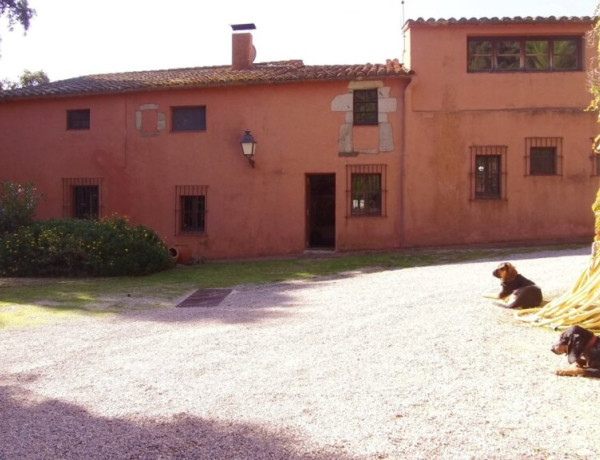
[17, 205]
[74, 247]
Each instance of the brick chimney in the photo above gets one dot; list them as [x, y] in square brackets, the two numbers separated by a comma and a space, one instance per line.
[242, 49]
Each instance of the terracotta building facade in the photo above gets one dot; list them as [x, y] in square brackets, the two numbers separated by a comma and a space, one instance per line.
[479, 137]
[498, 141]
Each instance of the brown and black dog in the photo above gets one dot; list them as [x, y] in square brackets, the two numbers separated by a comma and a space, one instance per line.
[525, 293]
[582, 348]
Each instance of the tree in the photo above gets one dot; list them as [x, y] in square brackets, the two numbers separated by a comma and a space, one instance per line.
[580, 305]
[28, 78]
[17, 12]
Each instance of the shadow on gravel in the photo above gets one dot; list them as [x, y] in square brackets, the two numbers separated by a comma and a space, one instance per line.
[54, 429]
[249, 304]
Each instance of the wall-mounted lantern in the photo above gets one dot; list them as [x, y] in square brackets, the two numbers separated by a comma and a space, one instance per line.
[248, 147]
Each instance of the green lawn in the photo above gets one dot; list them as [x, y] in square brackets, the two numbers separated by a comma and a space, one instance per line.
[31, 302]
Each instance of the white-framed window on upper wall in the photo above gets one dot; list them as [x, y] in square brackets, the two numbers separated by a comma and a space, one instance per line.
[82, 197]
[190, 209]
[365, 107]
[543, 156]
[366, 190]
[488, 172]
[188, 118]
[78, 119]
[525, 54]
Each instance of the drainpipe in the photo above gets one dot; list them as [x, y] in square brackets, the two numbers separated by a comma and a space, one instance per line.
[405, 111]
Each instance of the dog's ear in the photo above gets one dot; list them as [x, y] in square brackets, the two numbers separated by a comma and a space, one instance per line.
[576, 346]
[511, 271]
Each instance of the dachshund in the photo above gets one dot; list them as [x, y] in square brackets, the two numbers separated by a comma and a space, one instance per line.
[525, 293]
[582, 348]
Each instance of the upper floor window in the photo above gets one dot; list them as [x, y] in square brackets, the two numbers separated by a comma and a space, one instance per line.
[365, 107]
[524, 54]
[78, 119]
[190, 118]
[542, 161]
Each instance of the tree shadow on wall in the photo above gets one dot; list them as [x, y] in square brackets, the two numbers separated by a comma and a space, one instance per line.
[54, 429]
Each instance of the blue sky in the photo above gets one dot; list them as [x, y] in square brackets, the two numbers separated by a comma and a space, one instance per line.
[71, 38]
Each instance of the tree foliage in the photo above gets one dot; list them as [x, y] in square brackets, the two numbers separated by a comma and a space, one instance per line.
[594, 88]
[17, 12]
[28, 78]
[594, 78]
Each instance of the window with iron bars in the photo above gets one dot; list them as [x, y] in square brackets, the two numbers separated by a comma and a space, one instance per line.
[366, 109]
[488, 172]
[190, 209]
[82, 198]
[366, 190]
[543, 156]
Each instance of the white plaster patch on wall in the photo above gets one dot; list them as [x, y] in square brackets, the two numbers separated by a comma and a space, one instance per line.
[345, 138]
[161, 120]
[384, 91]
[385, 103]
[386, 137]
[138, 120]
[342, 103]
[365, 84]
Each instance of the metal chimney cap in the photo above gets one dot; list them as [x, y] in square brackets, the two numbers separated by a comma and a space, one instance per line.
[237, 27]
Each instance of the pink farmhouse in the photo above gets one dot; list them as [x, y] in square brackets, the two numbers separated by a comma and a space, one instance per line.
[480, 136]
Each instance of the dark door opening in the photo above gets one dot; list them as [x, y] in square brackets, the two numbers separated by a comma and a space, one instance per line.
[320, 211]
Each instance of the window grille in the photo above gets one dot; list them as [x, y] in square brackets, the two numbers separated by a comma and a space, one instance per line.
[190, 209]
[82, 197]
[543, 156]
[488, 172]
[366, 111]
[366, 190]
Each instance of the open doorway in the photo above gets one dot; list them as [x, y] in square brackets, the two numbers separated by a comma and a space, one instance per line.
[320, 211]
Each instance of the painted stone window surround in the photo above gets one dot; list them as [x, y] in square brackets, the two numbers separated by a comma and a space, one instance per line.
[149, 121]
[354, 140]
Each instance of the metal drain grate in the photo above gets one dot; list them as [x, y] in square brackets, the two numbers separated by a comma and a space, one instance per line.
[205, 298]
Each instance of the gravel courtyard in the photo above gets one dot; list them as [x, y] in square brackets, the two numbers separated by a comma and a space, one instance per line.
[399, 364]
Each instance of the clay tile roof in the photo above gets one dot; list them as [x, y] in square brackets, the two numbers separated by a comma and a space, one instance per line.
[505, 20]
[260, 73]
